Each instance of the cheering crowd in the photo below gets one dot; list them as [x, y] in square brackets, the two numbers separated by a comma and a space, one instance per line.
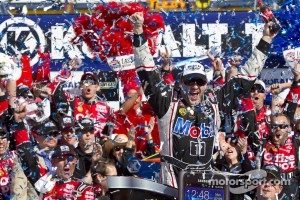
[56, 144]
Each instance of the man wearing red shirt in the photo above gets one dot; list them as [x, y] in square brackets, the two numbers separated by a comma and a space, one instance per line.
[86, 105]
[62, 184]
[281, 151]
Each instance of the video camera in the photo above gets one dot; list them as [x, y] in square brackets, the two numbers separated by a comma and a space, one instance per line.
[234, 138]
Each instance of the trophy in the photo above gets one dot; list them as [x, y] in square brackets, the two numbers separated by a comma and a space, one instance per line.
[268, 16]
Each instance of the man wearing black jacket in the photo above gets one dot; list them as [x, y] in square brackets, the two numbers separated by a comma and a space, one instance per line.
[190, 116]
[85, 131]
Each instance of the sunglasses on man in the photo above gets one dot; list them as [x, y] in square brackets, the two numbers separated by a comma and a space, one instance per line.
[52, 133]
[195, 81]
[118, 148]
[281, 126]
[68, 130]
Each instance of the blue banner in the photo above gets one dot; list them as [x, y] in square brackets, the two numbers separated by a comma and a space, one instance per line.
[188, 33]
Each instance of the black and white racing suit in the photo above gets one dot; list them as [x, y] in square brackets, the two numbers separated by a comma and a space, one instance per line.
[188, 132]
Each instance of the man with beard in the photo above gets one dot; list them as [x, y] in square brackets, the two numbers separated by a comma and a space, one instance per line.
[189, 115]
[281, 151]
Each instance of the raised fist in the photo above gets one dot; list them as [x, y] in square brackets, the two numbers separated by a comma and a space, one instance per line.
[137, 19]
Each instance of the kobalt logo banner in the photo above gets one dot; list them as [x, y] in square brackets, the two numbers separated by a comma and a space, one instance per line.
[186, 36]
[22, 34]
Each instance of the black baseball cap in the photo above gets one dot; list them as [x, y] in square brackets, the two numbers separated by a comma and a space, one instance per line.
[272, 170]
[47, 128]
[24, 91]
[84, 124]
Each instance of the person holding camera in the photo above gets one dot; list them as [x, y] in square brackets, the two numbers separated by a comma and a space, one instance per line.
[233, 158]
[233, 155]
[189, 115]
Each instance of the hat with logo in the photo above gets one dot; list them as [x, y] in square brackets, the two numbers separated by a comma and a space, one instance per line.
[64, 150]
[193, 70]
[260, 82]
[89, 76]
[66, 122]
[84, 124]
[47, 128]
[273, 170]
[120, 139]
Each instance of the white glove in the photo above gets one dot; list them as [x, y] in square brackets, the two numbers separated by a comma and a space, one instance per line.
[45, 183]
[8, 68]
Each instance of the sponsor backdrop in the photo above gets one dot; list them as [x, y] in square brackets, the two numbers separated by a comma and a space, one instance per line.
[187, 34]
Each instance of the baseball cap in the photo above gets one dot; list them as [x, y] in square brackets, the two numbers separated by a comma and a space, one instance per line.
[193, 70]
[260, 82]
[47, 128]
[64, 150]
[66, 122]
[24, 91]
[84, 124]
[3, 133]
[272, 170]
[89, 76]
